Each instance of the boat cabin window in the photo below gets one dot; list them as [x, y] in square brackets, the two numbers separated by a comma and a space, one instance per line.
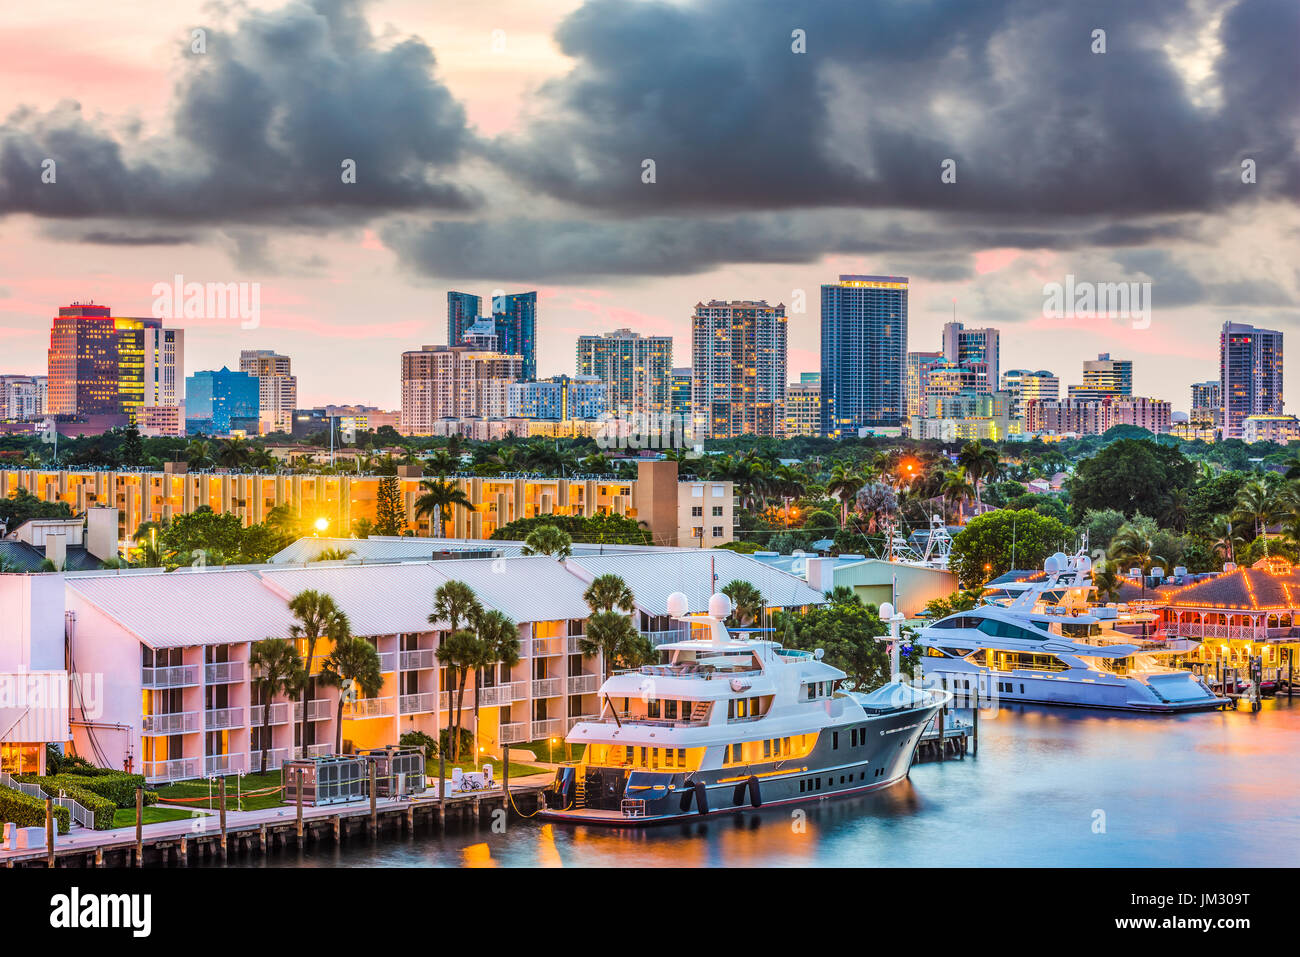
[1004, 629]
[745, 709]
[1074, 629]
[704, 662]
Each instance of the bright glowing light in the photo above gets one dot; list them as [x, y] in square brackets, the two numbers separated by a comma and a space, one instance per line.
[322, 524]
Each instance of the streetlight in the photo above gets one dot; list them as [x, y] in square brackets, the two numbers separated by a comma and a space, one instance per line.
[552, 750]
[239, 800]
[322, 524]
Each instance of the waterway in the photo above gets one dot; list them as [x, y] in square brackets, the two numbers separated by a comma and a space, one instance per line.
[1049, 787]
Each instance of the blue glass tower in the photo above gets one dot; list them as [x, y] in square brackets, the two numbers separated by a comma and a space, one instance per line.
[214, 399]
[515, 316]
[462, 312]
[864, 354]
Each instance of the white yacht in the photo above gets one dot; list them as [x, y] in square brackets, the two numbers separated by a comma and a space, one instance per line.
[724, 723]
[1047, 643]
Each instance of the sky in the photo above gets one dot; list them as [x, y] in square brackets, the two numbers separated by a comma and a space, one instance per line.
[502, 144]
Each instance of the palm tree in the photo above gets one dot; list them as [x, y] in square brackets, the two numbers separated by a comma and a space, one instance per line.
[233, 453]
[1258, 503]
[286, 523]
[454, 602]
[844, 484]
[548, 540]
[1227, 540]
[333, 555]
[956, 488]
[441, 463]
[352, 665]
[276, 668]
[979, 462]
[499, 637]
[876, 502]
[614, 637]
[607, 592]
[437, 501]
[199, 453]
[1132, 544]
[317, 616]
[460, 653]
[1105, 578]
[746, 602]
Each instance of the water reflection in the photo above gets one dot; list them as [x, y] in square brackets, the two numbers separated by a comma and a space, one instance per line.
[1048, 787]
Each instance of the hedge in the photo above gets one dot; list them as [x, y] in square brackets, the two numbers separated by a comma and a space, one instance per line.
[101, 807]
[117, 786]
[27, 811]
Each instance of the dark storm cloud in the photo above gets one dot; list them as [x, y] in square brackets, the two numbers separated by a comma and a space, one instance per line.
[1037, 123]
[260, 127]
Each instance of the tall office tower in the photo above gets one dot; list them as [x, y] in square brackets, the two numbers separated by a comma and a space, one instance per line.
[462, 312]
[101, 364]
[1207, 403]
[1104, 378]
[637, 370]
[803, 408]
[440, 382]
[1024, 385]
[943, 378]
[682, 394]
[977, 348]
[221, 401]
[738, 356]
[277, 388]
[515, 316]
[918, 366]
[864, 354]
[1250, 374]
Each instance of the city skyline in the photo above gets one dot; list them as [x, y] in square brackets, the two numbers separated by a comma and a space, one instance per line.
[375, 285]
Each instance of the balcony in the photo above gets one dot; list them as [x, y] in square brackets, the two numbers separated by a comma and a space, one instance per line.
[364, 708]
[179, 769]
[544, 647]
[319, 709]
[218, 719]
[185, 722]
[178, 677]
[314, 751]
[225, 763]
[224, 672]
[584, 684]
[280, 712]
[514, 733]
[548, 687]
[574, 719]
[574, 648]
[417, 703]
[499, 695]
[420, 658]
[548, 727]
[388, 662]
[274, 758]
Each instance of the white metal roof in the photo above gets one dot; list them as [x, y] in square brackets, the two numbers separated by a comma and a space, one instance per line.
[653, 576]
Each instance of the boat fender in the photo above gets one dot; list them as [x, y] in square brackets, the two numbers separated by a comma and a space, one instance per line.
[738, 793]
[701, 798]
[688, 795]
[755, 799]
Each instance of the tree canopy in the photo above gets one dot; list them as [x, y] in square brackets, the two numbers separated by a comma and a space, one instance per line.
[989, 544]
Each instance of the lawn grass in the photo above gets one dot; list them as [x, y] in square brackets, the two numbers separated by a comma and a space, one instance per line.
[516, 770]
[542, 750]
[125, 816]
[200, 788]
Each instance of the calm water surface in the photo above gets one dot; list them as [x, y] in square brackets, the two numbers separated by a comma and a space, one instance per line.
[1194, 790]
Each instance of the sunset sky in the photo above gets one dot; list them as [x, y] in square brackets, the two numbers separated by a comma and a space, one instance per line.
[499, 145]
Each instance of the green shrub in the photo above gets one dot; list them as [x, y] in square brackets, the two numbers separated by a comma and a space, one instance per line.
[466, 743]
[419, 739]
[101, 807]
[117, 786]
[27, 811]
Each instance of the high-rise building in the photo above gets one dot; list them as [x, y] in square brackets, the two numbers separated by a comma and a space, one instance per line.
[1250, 374]
[221, 401]
[918, 365]
[462, 312]
[22, 396]
[738, 358]
[559, 398]
[681, 392]
[977, 349]
[636, 370]
[100, 364]
[1024, 385]
[803, 408]
[440, 382]
[513, 322]
[864, 354]
[1104, 378]
[943, 377]
[1207, 403]
[1095, 416]
[277, 388]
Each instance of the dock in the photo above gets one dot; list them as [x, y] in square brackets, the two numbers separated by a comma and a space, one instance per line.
[953, 732]
[218, 836]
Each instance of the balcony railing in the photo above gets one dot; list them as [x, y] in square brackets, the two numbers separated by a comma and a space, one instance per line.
[514, 733]
[499, 695]
[185, 722]
[321, 709]
[420, 658]
[388, 661]
[224, 672]
[314, 750]
[280, 711]
[548, 727]
[217, 719]
[369, 708]
[274, 758]
[584, 684]
[542, 647]
[417, 703]
[574, 648]
[178, 769]
[574, 719]
[548, 687]
[176, 677]
[225, 763]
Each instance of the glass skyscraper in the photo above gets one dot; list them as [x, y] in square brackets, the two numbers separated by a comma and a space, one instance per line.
[215, 400]
[1250, 374]
[514, 321]
[864, 354]
[462, 312]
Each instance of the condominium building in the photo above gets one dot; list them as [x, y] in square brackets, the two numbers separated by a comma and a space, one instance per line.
[681, 394]
[513, 323]
[100, 364]
[653, 497]
[944, 377]
[22, 396]
[636, 370]
[1278, 429]
[918, 366]
[864, 354]
[1250, 374]
[1207, 403]
[738, 362]
[173, 650]
[452, 382]
[277, 388]
[803, 409]
[974, 349]
[967, 415]
[1095, 416]
[1104, 378]
[558, 398]
[1024, 385]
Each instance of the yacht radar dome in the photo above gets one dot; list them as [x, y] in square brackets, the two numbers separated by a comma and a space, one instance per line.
[719, 606]
[678, 604]
[886, 611]
[1084, 563]
[1051, 566]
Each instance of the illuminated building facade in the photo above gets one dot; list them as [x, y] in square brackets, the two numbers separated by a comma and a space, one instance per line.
[864, 354]
[738, 363]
